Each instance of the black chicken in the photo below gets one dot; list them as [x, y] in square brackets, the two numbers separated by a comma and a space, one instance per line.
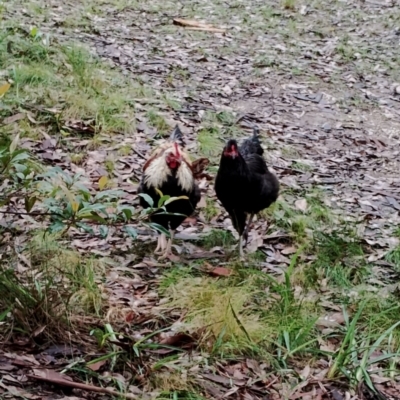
[244, 185]
[170, 170]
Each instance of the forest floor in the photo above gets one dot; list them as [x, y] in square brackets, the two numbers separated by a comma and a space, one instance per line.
[92, 313]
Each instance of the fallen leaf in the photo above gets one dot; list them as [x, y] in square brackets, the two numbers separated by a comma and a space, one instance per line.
[331, 320]
[223, 380]
[51, 374]
[97, 365]
[305, 372]
[14, 118]
[21, 393]
[39, 330]
[202, 203]
[289, 250]
[198, 167]
[103, 182]
[221, 271]
[4, 89]
[301, 204]
[130, 316]
[181, 339]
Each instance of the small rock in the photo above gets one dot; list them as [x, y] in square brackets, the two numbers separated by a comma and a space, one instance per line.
[327, 127]
[397, 90]
[303, 10]
[227, 90]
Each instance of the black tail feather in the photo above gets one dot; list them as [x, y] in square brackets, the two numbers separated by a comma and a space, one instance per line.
[252, 145]
[177, 136]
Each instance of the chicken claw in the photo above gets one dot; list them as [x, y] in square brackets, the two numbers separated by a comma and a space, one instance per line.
[161, 244]
[167, 251]
[168, 248]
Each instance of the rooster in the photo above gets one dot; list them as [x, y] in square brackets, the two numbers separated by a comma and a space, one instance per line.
[170, 171]
[244, 185]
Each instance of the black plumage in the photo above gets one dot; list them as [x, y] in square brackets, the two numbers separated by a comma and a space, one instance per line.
[171, 188]
[244, 185]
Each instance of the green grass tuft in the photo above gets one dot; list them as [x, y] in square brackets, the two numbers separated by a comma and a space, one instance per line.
[57, 287]
[209, 141]
[67, 78]
[340, 259]
[157, 121]
[218, 237]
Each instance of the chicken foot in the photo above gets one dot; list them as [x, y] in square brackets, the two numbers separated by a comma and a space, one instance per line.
[168, 248]
[161, 244]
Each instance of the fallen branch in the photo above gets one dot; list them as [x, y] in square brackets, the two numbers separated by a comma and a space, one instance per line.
[196, 25]
[210, 29]
[32, 214]
[83, 386]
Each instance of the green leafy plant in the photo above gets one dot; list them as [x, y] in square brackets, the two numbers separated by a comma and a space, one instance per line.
[16, 173]
[68, 200]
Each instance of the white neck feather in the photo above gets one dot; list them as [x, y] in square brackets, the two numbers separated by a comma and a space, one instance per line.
[158, 171]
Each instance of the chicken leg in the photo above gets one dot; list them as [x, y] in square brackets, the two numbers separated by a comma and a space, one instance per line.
[247, 228]
[241, 254]
[244, 236]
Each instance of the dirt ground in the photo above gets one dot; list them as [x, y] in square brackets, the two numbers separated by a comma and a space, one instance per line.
[321, 79]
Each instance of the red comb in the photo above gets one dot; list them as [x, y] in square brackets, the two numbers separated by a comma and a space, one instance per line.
[176, 149]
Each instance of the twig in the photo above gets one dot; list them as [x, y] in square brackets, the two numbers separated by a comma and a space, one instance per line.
[242, 116]
[196, 25]
[83, 386]
[35, 213]
[59, 215]
[271, 383]
[73, 222]
[205, 29]
[139, 153]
